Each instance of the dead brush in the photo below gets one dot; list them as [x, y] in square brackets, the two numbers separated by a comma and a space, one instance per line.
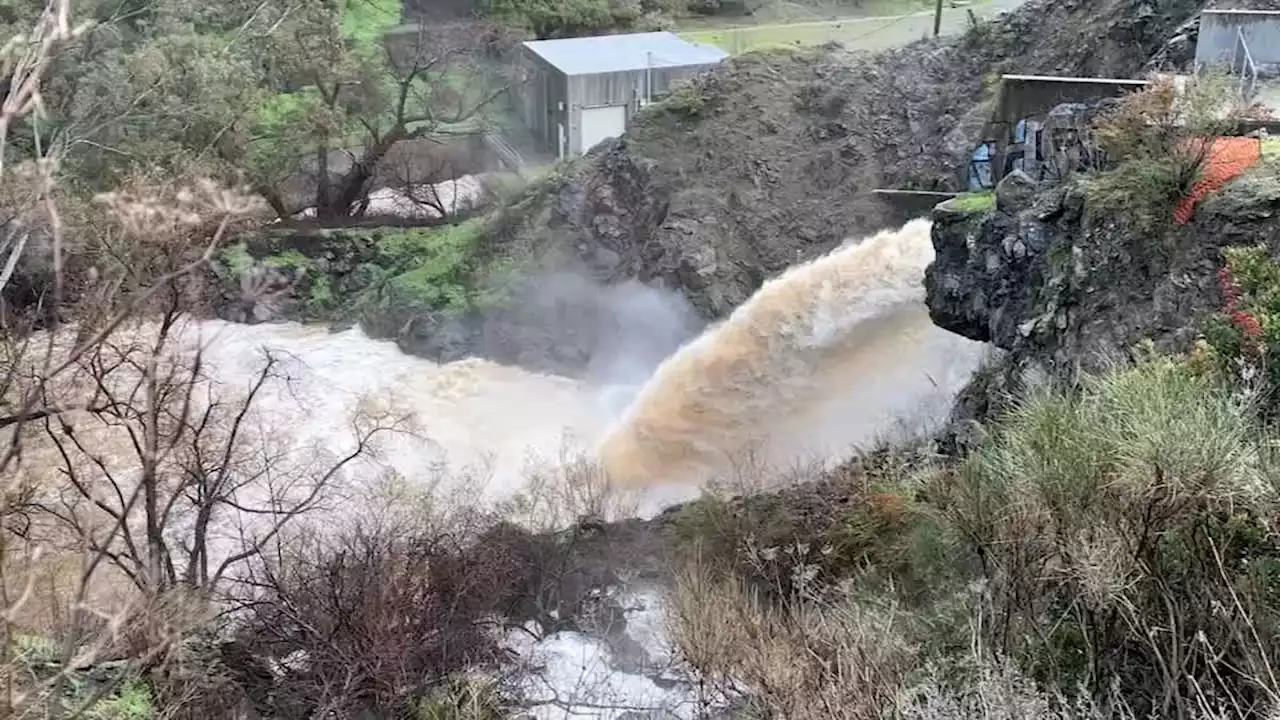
[814, 658]
[815, 527]
[561, 491]
[377, 618]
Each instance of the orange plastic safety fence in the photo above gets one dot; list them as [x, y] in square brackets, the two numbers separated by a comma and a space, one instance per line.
[1227, 158]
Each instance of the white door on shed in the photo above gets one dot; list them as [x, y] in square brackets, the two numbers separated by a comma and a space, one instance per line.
[601, 123]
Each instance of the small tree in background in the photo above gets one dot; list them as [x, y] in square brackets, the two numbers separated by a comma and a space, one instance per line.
[351, 97]
[302, 101]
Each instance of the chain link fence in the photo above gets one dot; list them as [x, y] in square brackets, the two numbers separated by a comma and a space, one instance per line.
[874, 33]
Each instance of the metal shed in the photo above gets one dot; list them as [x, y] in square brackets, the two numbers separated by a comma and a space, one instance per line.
[578, 92]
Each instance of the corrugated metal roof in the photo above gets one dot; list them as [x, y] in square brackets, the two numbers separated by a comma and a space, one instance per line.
[618, 53]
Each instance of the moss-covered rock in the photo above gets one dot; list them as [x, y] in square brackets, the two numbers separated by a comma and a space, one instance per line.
[970, 203]
[503, 285]
[380, 277]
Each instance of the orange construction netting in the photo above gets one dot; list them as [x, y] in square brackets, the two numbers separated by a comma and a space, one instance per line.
[1227, 158]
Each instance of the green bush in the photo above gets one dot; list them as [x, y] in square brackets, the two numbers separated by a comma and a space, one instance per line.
[684, 102]
[1242, 339]
[425, 268]
[1108, 549]
[560, 18]
[1122, 532]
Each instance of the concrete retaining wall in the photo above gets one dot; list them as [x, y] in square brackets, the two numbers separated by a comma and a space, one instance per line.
[1031, 97]
[1217, 39]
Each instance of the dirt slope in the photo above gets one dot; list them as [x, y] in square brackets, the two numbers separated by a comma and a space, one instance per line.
[770, 161]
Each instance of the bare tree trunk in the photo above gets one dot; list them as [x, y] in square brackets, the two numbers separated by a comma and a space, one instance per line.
[355, 183]
[323, 192]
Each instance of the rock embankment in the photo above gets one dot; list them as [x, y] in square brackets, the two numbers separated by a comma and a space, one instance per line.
[1062, 286]
[763, 163]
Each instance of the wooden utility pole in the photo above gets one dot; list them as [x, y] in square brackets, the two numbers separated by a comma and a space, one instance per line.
[937, 19]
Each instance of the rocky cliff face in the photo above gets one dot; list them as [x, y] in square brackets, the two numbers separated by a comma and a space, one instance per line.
[766, 162]
[1062, 288]
[770, 159]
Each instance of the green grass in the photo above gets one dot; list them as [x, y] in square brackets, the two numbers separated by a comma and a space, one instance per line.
[777, 12]
[132, 701]
[430, 265]
[238, 261]
[859, 33]
[288, 259]
[1271, 148]
[366, 21]
[973, 202]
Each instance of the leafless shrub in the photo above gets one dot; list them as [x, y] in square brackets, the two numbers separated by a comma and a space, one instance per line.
[375, 617]
[561, 491]
[464, 698]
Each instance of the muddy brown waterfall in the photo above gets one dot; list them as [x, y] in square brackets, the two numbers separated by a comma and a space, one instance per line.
[827, 356]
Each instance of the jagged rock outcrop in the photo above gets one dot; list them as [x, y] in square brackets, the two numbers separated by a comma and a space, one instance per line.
[770, 159]
[1063, 286]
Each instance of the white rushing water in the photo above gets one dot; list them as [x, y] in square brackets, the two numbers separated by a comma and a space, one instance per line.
[470, 418]
[828, 356]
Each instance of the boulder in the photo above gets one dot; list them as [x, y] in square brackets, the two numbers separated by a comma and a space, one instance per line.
[1015, 191]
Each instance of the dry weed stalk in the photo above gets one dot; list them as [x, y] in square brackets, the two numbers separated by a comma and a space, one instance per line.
[819, 657]
[59, 389]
